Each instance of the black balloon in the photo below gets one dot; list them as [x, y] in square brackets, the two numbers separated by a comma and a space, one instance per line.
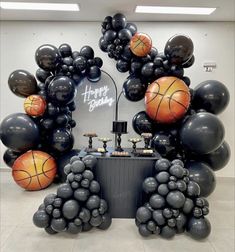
[150, 185]
[143, 214]
[201, 173]
[141, 123]
[61, 140]
[202, 133]
[61, 90]
[41, 219]
[179, 49]
[80, 63]
[122, 66]
[10, 156]
[70, 209]
[42, 75]
[87, 52]
[147, 69]
[124, 35]
[119, 21]
[134, 89]
[109, 36]
[103, 44]
[211, 95]
[64, 191]
[22, 83]
[218, 158]
[19, 132]
[199, 228]
[106, 222]
[132, 27]
[47, 57]
[189, 63]
[94, 74]
[65, 50]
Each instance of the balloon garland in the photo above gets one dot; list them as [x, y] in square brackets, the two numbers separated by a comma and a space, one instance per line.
[47, 123]
[76, 206]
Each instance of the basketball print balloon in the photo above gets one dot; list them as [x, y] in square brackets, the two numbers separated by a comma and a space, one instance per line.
[167, 99]
[34, 105]
[140, 44]
[34, 170]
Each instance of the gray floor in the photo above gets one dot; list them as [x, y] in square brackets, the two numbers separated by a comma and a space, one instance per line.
[19, 235]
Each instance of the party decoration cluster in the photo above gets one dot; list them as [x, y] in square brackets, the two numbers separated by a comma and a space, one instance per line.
[173, 204]
[49, 102]
[76, 206]
[182, 120]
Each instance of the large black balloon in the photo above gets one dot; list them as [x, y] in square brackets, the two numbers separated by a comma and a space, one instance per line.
[218, 158]
[47, 57]
[199, 228]
[19, 132]
[141, 123]
[134, 89]
[211, 95]
[163, 143]
[119, 21]
[179, 49]
[22, 83]
[61, 90]
[61, 140]
[202, 133]
[10, 156]
[203, 175]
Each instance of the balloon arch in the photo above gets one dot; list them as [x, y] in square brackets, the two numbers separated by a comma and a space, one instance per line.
[182, 120]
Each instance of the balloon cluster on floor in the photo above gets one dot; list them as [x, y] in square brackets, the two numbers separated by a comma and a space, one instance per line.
[173, 204]
[76, 206]
[182, 120]
[49, 102]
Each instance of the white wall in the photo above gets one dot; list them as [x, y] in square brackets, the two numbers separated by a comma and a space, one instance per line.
[212, 41]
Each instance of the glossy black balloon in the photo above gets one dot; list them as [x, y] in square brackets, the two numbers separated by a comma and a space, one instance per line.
[65, 50]
[42, 75]
[87, 52]
[94, 73]
[131, 27]
[61, 90]
[202, 133]
[203, 175]
[141, 123]
[189, 63]
[147, 69]
[22, 83]
[10, 156]
[134, 89]
[211, 95]
[80, 63]
[179, 49]
[61, 140]
[19, 132]
[122, 66]
[103, 44]
[118, 21]
[47, 57]
[110, 35]
[124, 35]
[218, 158]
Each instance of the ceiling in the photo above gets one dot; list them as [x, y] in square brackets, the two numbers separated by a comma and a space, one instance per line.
[96, 10]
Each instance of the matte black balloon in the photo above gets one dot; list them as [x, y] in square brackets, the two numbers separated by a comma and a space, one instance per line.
[95, 221]
[64, 191]
[211, 95]
[74, 229]
[189, 63]
[109, 37]
[65, 50]
[70, 209]
[147, 69]
[61, 90]
[162, 177]
[47, 57]
[41, 219]
[19, 132]
[141, 123]
[167, 232]
[50, 231]
[157, 201]
[175, 199]
[158, 217]
[90, 161]
[132, 27]
[143, 214]
[177, 171]
[124, 35]
[193, 189]
[106, 222]
[58, 225]
[162, 164]
[218, 158]
[94, 187]
[94, 74]
[103, 44]
[177, 71]
[61, 140]
[150, 184]
[87, 52]
[181, 222]
[199, 228]
[42, 75]
[134, 89]
[119, 21]
[93, 202]
[22, 83]
[81, 194]
[85, 215]
[49, 199]
[143, 230]
[77, 166]
[202, 133]
[179, 49]
[159, 72]
[10, 156]
[86, 227]
[163, 189]
[201, 173]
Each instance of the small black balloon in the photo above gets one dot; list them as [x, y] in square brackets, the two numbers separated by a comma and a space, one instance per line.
[64, 191]
[61, 140]
[109, 36]
[10, 156]
[124, 35]
[87, 52]
[41, 219]
[141, 123]
[131, 27]
[147, 69]
[65, 50]
[143, 214]
[42, 75]
[106, 222]
[122, 66]
[134, 89]
[103, 44]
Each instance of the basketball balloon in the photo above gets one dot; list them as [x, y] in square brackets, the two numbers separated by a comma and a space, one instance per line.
[34, 170]
[34, 105]
[140, 44]
[167, 99]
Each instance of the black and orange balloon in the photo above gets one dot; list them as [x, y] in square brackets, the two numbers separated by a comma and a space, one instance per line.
[167, 99]
[34, 170]
[35, 105]
[140, 44]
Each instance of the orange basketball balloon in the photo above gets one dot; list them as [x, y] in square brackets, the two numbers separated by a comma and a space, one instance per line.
[34, 105]
[34, 170]
[140, 44]
[167, 99]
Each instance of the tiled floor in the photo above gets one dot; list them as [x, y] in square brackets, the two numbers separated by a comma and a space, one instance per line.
[18, 234]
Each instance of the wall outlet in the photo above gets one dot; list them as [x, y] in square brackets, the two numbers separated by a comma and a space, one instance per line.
[209, 66]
